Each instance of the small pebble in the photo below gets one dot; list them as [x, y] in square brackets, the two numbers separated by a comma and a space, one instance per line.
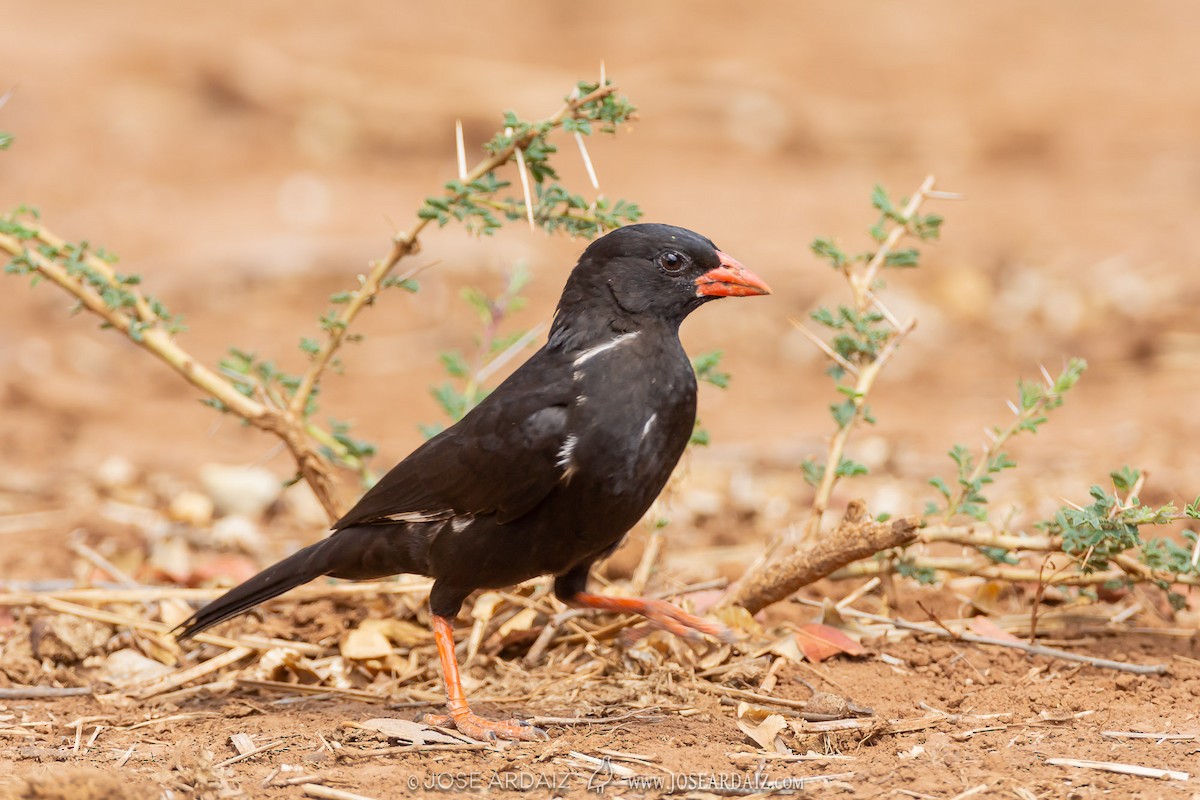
[248, 491]
[191, 508]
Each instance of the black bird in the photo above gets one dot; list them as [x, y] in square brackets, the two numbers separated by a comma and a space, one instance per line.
[549, 472]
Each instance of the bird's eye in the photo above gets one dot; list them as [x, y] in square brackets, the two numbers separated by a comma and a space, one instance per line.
[672, 262]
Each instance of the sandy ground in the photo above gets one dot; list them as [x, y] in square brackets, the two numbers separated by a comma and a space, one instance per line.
[249, 163]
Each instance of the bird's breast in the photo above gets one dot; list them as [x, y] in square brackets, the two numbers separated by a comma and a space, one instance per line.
[631, 419]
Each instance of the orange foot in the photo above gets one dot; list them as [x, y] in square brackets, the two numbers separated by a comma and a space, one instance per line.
[660, 614]
[471, 724]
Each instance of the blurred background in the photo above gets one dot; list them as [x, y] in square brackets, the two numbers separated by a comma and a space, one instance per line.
[249, 159]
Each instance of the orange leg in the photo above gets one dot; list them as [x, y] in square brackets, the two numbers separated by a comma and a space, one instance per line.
[461, 716]
[660, 613]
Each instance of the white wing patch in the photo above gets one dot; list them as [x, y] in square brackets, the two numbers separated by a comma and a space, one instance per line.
[649, 424]
[566, 451]
[419, 516]
[592, 352]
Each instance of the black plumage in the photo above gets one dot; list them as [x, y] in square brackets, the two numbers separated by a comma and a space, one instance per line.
[548, 473]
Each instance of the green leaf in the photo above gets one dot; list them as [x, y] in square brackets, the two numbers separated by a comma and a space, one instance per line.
[828, 250]
[1192, 509]
[455, 364]
[479, 301]
[825, 317]
[705, 367]
[999, 555]
[922, 575]
[843, 413]
[881, 201]
[941, 486]
[812, 471]
[902, 258]
[407, 284]
[848, 469]
[1125, 478]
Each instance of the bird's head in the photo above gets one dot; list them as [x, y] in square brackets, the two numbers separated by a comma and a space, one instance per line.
[654, 272]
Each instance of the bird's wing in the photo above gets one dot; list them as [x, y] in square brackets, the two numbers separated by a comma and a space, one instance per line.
[502, 458]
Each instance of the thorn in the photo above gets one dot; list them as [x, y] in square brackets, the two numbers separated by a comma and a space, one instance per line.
[587, 160]
[826, 349]
[1196, 554]
[1013, 407]
[934, 194]
[990, 434]
[603, 80]
[1075, 506]
[461, 149]
[882, 309]
[524, 181]
[1046, 375]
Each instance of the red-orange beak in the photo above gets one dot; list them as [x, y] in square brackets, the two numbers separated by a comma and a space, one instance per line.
[730, 279]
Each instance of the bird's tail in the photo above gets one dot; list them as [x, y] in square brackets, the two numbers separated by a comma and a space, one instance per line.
[301, 567]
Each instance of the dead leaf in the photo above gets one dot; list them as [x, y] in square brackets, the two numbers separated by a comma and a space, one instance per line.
[985, 627]
[287, 665]
[786, 647]
[819, 642]
[365, 643]
[520, 621]
[737, 618]
[716, 657]
[398, 631]
[760, 725]
[987, 597]
[128, 666]
[416, 732]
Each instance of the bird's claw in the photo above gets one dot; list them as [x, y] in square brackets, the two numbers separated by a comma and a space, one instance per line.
[487, 730]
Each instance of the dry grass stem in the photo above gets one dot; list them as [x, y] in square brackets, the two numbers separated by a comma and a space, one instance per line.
[982, 568]
[946, 633]
[325, 793]
[1124, 769]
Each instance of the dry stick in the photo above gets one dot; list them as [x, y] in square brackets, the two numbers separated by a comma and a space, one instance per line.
[1032, 649]
[1158, 737]
[147, 594]
[742, 694]
[42, 692]
[1008, 572]
[249, 753]
[1124, 769]
[856, 537]
[306, 688]
[641, 713]
[974, 536]
[100, 562]
[326, 793]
